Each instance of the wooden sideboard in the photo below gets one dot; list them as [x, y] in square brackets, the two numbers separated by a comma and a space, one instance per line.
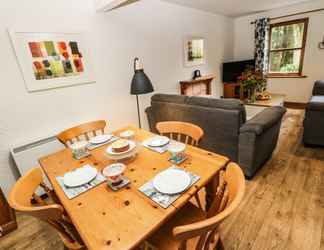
[199, 86]
[233, 90]
[8, 221]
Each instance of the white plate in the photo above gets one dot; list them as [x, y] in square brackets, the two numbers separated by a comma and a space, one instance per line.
[172, 181]
[99, 139]
[80, 176]
[110, 151]
[158, 141]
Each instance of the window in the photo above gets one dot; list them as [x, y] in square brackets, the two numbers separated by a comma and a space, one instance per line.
[287, 48]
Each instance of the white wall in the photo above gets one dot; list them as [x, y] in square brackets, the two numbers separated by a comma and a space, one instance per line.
[296, 90]
[150, 29]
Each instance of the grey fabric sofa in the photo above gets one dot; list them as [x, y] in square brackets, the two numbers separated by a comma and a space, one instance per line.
[250, 143]
[314, 117]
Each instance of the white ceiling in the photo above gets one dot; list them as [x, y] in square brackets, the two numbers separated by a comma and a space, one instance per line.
[236, 8]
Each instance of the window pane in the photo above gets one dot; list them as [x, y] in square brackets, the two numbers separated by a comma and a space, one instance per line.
[285, 61]
[287, 36]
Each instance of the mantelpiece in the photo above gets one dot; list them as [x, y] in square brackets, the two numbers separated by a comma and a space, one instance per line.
[199, 86]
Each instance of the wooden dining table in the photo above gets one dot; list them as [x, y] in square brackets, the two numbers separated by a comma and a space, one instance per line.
[108, 220]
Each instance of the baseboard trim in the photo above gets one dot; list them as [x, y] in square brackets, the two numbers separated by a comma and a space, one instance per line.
[295, 105]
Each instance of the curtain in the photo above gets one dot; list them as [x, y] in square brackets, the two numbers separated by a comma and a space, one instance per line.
[262, 45]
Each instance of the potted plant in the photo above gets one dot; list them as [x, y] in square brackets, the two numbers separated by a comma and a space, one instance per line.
[253, 82]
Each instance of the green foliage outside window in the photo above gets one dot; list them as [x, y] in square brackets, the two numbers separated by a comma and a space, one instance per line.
[286, 47]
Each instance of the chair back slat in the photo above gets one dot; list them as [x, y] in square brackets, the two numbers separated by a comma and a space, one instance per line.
[228, 196]
[187, 139]
[211, 240]
[201, 242]
[190, 131]
[71, 135]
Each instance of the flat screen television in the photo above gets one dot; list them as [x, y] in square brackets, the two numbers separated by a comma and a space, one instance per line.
[232, 70]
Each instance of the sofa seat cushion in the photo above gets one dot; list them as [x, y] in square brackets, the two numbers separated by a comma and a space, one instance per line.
[316, 103]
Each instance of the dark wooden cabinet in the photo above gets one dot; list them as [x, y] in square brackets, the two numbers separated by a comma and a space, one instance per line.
[8, 221]
[233, 90]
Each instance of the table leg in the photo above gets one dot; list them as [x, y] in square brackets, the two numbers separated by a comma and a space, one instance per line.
[211, 189]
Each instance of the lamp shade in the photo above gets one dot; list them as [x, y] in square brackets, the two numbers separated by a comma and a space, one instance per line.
[141, 84]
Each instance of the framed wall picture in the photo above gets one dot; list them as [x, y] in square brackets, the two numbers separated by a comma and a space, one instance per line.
[52, 59]
[194, 51]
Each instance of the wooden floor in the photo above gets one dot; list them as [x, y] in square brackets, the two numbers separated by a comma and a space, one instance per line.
[283, 206]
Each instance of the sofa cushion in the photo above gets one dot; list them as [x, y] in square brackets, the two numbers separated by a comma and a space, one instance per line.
[316, 103]
[181, 99]
[318, 88]
[215, 103]
[209, 102]
[227, 104]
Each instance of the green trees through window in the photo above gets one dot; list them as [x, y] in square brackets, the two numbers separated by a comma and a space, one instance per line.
[287, 45]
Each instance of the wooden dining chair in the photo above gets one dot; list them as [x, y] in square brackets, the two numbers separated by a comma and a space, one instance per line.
[20, 199]
[192, 228]
[177, 130]
[182, 131]
[85, 130]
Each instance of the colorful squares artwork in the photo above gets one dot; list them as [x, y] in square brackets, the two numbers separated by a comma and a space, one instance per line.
[54, 59]
[75, 48]
[35, 49]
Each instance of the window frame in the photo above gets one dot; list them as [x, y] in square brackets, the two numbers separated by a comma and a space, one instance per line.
[302, 48]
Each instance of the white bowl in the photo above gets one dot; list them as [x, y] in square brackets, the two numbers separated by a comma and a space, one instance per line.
[128, 134]
[114, 172]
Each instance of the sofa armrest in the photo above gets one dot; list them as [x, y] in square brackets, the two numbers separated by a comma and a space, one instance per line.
[316, 103]
[258, 138]
[264, 120]
[318, 88]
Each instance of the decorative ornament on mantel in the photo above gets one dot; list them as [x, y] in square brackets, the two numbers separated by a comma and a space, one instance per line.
[321, 44]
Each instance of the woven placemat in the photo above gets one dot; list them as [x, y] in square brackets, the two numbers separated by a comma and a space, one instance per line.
[165, 200]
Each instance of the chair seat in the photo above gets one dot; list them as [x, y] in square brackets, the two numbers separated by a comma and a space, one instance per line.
[164, 239]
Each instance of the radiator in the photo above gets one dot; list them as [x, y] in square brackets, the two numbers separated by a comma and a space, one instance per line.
[26, 156]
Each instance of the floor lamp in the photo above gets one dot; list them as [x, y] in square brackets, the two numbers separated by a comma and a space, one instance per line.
[141, 84]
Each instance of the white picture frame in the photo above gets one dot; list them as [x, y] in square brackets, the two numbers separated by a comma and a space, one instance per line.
[194, 51]
[64, 67]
